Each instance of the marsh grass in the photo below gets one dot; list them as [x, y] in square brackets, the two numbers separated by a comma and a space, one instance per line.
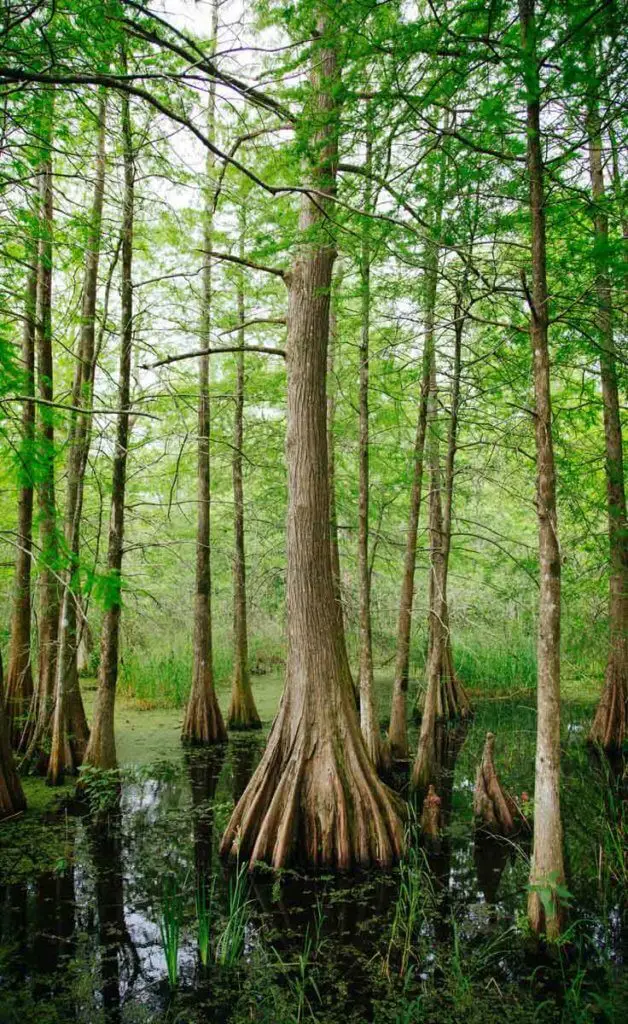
[299, 973]
[204, 900]
[415, 894]
[230, 945]
[170, 926]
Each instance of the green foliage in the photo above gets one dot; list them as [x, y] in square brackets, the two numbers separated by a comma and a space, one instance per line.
[170, 926]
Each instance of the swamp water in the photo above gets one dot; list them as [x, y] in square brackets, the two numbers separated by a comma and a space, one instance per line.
[101, 903]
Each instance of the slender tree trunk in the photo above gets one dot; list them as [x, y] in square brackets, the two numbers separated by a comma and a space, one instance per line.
[101, 749]
[368, 714]
[398, 731]
[547, 869]
[609, 725]
[70, 733]
[242, 713]
[19, 685]
[315, 795]
[203, 722]
[39, 743]
[331, 446]
[11, 794]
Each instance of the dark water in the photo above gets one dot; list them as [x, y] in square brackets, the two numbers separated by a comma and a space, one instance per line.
[81, 941]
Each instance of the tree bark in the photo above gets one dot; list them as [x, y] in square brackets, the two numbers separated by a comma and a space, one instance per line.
[70, 733]
[547, 869]
[11, 793]
[203, 722]
[331, 446]
[242, 712]
[101, 749]
[315, 796]
[609, 725]
[369, 722]
[19, 684]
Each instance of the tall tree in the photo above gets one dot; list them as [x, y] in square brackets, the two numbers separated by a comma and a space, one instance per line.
[609, 725]
[70, 733]
[242, 711]
[368, 714]
[19, 684]
[101, 749]
[203, 722]
[545, 911]
[315, 795]
[398, 729]
[39, 742]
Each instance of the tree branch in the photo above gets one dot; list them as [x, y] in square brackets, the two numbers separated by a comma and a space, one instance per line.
[214, 352]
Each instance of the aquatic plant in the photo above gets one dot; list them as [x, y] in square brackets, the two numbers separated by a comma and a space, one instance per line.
[415, 892]
[170, 926]
[204, 900]
[230, 945]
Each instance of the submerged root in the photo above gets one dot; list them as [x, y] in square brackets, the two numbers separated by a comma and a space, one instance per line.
[316, 799]
[611, 718]
[493, 807]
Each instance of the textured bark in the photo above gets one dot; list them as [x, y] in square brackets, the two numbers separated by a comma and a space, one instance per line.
[39, 744]
[242, 712]
[203, 722]
[11, 794]
[493, 807]
[101, 749]
[609, 725]
[70, 733]
[331, 446]
[19, 682]
[547, 868]
[398, 730]
[368, 714]
[315, 797]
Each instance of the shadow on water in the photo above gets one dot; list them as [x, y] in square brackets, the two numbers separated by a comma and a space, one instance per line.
[83, 943]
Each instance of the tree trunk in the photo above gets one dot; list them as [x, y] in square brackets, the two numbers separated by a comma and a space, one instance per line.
[11, 794]
[368, 714]
[398, 730]
[315, 796]
[203, 721]
[101, 749]
[445, 696]
[242, 712]
[547, 870]
[70, 733]
[609, 725]
[19, 684]
[493, 807]
[331, 446]
[39, 744]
